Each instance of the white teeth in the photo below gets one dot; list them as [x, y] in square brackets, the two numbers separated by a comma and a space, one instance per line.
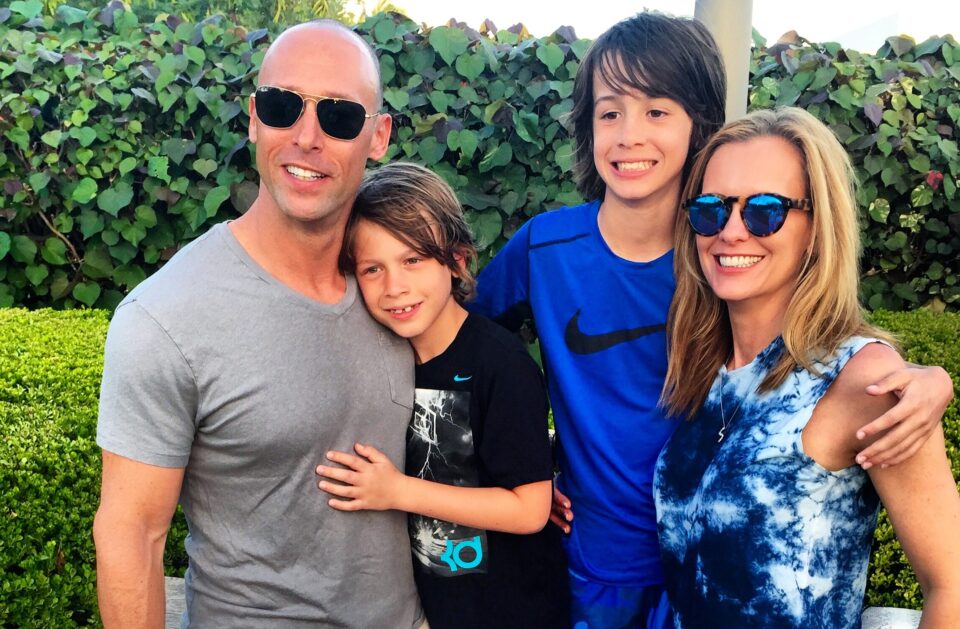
[401, 310]
[304, 174]
[739, 262]
[635, 165]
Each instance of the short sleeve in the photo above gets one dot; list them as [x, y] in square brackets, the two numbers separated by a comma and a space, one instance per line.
[515, 446]
[148, 396]
[503, 286]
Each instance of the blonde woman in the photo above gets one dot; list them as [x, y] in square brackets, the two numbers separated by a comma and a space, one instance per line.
[765, 519]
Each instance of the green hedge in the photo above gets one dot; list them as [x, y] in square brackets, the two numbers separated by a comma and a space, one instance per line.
[120, 141]
[927, 339]
[50, 365]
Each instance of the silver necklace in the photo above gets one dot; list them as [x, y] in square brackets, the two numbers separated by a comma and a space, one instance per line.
[723, 418]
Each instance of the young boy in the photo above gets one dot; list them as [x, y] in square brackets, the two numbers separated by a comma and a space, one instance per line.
[478, 455]
[597, 280]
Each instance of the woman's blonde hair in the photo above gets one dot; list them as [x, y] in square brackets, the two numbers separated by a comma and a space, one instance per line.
[824, 309]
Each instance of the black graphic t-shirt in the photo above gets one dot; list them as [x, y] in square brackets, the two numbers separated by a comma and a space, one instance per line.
[480, 420]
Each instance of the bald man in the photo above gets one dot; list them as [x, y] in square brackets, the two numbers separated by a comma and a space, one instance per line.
[233, 370]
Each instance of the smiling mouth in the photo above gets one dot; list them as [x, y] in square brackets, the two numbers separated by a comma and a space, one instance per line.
[303, 174]
[738, 262]
[634, 166]
[403, 312]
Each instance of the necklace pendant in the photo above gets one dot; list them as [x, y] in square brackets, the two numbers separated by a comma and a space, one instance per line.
[720, 434]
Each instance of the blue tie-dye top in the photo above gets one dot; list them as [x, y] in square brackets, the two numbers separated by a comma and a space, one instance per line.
[753, 532]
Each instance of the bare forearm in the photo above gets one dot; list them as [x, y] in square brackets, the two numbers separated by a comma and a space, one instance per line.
[522, 510]
[129, 577]
[941, 609]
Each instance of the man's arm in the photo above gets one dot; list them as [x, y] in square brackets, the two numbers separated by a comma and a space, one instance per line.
[137, 502]
[924, 393]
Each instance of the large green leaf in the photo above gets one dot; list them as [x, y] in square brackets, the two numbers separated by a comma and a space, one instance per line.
[116, 198]
[214, 199]
[28, 9]
[54, 251]
[97, 263]
[499, 155]
[85, 191]
[431, 151]
[36, 273]
[486, 226]
[177, 148]
[470, 66]
[449, 43]
[86, 293]
[551, 55]
[39, 180]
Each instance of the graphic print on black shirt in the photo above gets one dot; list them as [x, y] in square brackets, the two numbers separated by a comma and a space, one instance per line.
[440, 448]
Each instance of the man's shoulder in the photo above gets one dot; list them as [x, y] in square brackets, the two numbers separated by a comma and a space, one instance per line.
[186, 275]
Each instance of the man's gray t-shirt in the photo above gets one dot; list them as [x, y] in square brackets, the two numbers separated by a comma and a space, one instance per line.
[215, 366]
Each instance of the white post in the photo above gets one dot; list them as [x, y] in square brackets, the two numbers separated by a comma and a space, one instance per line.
[730, 23]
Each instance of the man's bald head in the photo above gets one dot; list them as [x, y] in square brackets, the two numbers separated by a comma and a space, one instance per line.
[274, 60]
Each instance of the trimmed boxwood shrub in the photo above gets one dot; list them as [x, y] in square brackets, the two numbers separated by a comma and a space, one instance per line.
[50, 366]
[929, 339]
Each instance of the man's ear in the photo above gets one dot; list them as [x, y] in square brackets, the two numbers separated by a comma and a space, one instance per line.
[252, 128]
[383, 123]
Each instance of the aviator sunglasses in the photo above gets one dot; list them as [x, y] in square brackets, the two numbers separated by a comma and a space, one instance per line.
[281, 108]
[763, 214]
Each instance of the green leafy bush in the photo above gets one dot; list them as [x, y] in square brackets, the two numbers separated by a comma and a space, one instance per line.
[120, 141]
[50, 366]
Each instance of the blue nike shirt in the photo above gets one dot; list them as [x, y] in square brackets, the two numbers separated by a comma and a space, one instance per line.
[601, 321]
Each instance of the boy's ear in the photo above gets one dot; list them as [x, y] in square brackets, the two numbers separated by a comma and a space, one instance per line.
[461, 263]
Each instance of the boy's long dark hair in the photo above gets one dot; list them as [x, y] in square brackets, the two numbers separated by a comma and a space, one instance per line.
[419, 209]
[662, 56]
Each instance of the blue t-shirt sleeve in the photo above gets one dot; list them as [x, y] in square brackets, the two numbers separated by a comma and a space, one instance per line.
[503, 287]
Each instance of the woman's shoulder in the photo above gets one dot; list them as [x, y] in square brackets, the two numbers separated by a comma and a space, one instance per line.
[871, 360]
[830, 436]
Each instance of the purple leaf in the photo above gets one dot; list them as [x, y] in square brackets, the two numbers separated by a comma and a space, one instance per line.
[105, 16]
[874, 112]
[566, 33]
[149, 70]
[255, 36]
[12, 186]
[901, 45]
